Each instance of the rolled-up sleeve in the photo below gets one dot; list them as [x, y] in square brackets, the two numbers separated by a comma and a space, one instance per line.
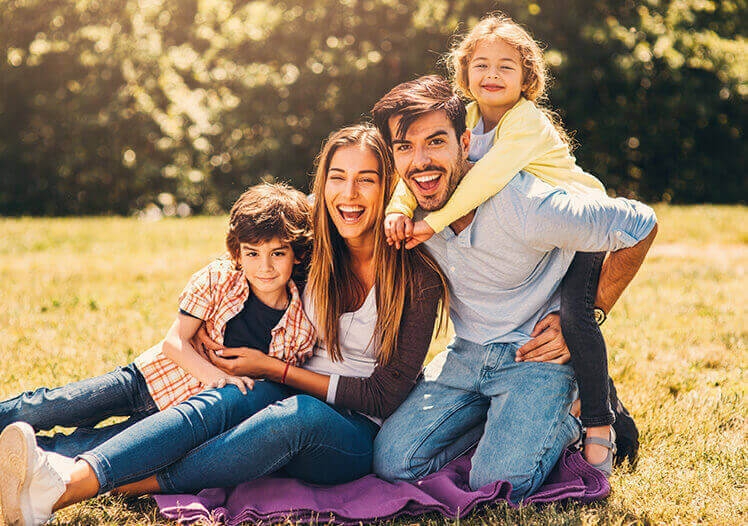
[585, 223]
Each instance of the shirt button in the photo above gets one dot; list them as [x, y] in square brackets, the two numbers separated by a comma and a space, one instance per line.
[619, 233]
[452, 269]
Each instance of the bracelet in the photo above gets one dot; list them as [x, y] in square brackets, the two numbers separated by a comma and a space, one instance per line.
[285, 372]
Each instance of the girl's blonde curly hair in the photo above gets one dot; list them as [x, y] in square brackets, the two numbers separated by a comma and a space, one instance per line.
[535, 78]
[500, 27]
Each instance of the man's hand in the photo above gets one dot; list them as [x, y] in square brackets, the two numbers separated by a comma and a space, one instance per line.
[221, 379]
[397, 228]
[548, 344]
[422, 232]
[240, 361]
[203, 343]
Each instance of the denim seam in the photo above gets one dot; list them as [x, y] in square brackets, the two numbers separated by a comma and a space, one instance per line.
[409, 455]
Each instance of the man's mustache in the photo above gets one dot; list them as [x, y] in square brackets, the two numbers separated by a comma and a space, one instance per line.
[429, 168]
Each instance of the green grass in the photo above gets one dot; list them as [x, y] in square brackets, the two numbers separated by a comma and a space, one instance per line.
[81, 296]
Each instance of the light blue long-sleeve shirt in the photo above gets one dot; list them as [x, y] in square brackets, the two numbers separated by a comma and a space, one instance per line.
[504, 269]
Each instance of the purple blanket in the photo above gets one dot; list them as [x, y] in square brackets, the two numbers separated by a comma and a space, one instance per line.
[371, 498]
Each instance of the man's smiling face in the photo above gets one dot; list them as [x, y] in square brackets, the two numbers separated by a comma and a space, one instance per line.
[430, 158]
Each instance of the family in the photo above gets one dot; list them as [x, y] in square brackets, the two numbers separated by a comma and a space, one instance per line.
[302, 349]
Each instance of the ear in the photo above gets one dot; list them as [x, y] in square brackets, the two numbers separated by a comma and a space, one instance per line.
[465, 143]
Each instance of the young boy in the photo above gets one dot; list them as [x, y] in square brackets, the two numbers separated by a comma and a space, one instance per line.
[247, 298]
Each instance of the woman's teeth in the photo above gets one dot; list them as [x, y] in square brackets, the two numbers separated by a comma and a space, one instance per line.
[350, 214]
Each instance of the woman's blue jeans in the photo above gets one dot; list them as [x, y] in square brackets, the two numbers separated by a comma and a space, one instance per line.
[83, 404]
[222, 438]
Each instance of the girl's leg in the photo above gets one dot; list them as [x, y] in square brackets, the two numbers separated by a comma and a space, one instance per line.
[301, 434]
[587, 347]
[164, 437]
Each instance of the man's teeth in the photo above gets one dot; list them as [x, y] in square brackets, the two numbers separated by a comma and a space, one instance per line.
[427, 178]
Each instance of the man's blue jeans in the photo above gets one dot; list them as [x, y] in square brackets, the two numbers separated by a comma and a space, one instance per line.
[83, 404]
[221, 438]
[517, 413]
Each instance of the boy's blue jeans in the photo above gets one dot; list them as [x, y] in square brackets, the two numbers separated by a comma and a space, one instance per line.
[516, 413]
[211, 441]
[83, 404]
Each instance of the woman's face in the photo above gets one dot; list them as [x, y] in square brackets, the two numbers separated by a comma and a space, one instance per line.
[352, 193]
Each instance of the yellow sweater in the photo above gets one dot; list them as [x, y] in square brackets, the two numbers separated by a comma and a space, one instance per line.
[525, 140]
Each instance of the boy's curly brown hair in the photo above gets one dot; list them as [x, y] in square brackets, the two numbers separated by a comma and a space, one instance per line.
[268, 211]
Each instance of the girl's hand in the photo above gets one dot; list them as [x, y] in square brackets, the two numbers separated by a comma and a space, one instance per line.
[221, 379]
[241, 361]
[203, 343]
[397, 228]
[547, 345]
[421, 232]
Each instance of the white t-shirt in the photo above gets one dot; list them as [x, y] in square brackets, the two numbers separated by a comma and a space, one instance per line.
[480, 142]
[356, 337]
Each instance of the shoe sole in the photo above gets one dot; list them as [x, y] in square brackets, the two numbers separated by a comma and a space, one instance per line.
[16, 447]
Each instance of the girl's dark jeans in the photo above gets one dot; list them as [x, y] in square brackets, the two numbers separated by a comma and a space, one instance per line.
[582, 334]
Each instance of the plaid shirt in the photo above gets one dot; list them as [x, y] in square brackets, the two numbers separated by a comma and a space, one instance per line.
[216, 294]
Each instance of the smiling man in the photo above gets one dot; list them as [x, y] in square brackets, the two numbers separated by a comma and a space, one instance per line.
[504, 261]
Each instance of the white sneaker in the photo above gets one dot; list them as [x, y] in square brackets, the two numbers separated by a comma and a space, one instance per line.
[29, 485]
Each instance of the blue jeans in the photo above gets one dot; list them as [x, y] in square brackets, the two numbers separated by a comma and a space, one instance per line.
[213, 440]
[83, 404]
[517, 413]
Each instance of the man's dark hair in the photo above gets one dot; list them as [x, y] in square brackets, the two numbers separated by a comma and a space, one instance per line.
[414, 99]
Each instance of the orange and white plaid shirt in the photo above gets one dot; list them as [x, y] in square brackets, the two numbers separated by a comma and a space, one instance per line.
[216, 294]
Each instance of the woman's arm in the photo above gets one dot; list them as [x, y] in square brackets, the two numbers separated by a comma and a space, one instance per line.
[379, 394]
[388, 386]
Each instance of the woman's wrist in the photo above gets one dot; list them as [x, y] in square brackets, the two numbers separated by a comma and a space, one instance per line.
[273, 369]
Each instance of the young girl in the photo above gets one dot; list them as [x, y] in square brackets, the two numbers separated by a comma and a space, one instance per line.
[245, 299]
[501, 68]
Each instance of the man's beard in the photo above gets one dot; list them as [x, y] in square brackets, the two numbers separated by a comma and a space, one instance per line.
[453, 175]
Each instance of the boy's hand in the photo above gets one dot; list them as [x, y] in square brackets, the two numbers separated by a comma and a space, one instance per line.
[203, 343]
[221, 379]
[421, 232]
[397, 228]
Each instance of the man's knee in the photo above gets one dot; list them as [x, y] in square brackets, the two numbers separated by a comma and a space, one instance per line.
[391, 460]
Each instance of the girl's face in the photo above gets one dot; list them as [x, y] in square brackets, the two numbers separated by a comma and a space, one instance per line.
[495, 74]
[353, 189]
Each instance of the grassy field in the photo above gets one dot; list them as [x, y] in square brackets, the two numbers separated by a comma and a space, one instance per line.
[81, 296]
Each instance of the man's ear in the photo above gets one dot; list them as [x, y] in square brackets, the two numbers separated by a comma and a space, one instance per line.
[465, 143]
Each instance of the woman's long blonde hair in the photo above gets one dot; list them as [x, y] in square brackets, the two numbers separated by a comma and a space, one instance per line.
[333, 285]
[535, 76]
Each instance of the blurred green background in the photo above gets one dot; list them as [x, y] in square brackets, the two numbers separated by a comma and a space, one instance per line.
[174, 106]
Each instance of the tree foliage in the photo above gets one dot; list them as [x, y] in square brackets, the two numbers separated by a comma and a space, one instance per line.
[110, 106]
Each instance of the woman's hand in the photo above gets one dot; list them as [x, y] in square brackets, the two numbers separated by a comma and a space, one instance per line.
[547, 345]
[241, 361]
[203, 343]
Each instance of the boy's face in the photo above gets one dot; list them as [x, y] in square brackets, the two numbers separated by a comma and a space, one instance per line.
[495, 74]
[430, 158]
[267, 265]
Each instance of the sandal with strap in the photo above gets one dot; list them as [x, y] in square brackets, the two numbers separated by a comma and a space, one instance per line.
[606, 466]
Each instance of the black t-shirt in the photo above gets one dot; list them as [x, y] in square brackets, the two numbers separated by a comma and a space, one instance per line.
[251, 327]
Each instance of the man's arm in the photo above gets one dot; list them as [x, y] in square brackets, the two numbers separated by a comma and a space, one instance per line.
[619, 268]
